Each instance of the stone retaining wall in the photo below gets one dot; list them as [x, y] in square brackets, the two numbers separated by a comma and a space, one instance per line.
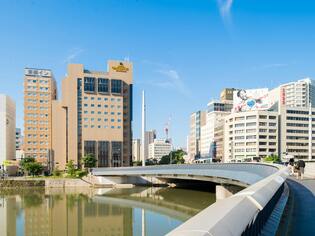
[48, 183]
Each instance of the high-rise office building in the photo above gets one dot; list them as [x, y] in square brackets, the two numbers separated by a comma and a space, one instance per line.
[197, 120]
[136, 156]
[7, 128]
[159, 148]
[39, 92]
[94, 116]
[18, 139]
[149, 137]
[215, 111]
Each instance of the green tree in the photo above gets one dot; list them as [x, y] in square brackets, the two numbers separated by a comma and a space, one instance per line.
[174, 157]
[25, 161]
[34, 168]
[165, 160]
[70, 168]
[89, 161]
[272, 158]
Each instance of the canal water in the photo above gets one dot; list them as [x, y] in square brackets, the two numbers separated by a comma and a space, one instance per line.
[136, 211]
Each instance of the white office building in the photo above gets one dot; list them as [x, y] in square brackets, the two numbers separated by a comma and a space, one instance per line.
[7, 128]
[159, 148]
[250, 134]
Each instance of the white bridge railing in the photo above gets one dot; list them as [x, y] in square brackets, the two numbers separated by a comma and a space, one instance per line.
[234, 215]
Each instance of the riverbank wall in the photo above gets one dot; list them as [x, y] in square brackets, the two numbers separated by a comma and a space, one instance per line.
[47, 183]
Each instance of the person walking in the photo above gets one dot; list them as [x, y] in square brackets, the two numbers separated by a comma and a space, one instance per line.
[291, 165]
[300, 166]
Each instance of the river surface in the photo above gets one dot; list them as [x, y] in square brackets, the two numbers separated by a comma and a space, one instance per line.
[137, 211]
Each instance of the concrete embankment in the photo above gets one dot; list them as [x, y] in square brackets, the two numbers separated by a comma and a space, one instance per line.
[48, 183]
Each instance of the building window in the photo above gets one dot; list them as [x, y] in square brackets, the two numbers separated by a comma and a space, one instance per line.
[116, 86]
[103, 85]
[89, 147]
[89, 84]
[116, 154]
[103, 154]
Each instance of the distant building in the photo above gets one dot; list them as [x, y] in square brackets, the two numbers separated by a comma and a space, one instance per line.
[94, 116]
[159, 148]
[7, 128]
[136, 150]
[39, 92]
[226, 95]
[149, 137]
[299, 93]
[197, 120]
[216, 111]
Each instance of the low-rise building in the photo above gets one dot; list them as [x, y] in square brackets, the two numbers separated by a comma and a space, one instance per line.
[159, 148]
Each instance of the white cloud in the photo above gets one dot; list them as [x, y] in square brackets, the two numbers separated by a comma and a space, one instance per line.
[225, 9]
[173, 81]
[72, 55]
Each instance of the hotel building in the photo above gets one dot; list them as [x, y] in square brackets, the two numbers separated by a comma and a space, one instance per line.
[94, 116]
[250, 134]
[7, 128]
[39, 92]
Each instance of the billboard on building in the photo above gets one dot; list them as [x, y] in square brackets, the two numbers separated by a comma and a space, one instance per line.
[250, 99]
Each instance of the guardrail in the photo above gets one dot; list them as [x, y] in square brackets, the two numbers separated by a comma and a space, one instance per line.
[241, 214]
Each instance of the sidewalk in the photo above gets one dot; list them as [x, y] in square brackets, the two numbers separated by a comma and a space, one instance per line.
[300, 217]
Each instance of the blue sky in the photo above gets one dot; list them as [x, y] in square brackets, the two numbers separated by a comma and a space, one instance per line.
[184, 52]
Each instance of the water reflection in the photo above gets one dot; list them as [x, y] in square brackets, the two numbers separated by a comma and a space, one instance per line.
[135, 211]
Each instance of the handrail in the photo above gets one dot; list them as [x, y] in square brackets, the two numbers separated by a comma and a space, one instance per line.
[234, 215]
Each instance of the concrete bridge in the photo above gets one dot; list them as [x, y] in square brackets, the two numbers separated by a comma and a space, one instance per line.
[246, 212]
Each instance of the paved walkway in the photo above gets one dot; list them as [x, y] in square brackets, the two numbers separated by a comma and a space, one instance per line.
[301, 216]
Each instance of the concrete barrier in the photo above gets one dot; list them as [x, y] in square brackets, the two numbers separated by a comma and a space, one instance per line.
[233, 215]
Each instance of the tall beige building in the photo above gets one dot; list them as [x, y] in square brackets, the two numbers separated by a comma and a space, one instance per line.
[39, 92]
[94, 116]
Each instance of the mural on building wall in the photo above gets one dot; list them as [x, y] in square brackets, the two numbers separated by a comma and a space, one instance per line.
[250, 99]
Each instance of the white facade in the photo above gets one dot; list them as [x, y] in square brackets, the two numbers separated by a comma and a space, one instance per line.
[7, 128]
[250, 134]
[159, 148]
[136, 150]
[298, 93]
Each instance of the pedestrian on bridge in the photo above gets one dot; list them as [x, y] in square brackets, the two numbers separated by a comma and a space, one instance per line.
[300, 167]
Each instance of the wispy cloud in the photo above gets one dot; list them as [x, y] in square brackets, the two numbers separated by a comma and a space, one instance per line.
[172, 80]
[225, 7]
[72, 55]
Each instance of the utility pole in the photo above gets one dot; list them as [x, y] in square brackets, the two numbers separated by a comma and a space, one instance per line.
[143, 127]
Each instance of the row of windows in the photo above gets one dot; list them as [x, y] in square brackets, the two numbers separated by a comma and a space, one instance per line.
[103, 85]
[105, 99]
[37, 94]
[35, 108]
[99, 119]
[99, 105]
[253, 117]
[99, 126]
[35, 143]
[35, 122]
[105, 112]
[35, 81]
[35, 128]
[35, 135]
[35, 101]
[35, 88]
[35, 115]
[297, 112]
